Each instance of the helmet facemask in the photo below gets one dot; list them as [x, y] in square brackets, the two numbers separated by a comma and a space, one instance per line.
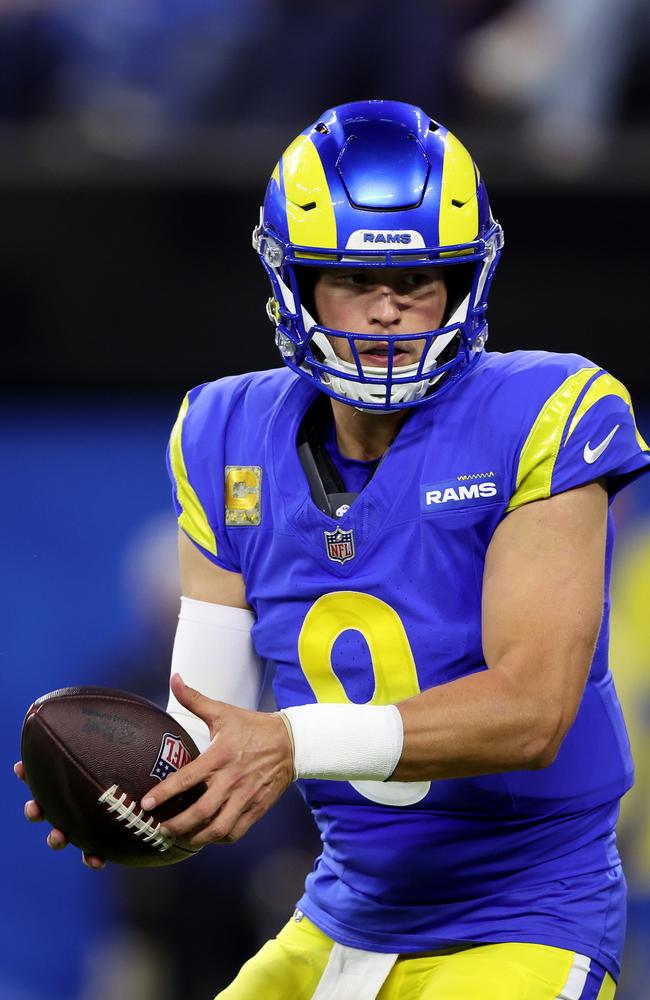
[306, 345]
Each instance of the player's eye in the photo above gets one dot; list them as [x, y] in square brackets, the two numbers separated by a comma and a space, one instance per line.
[359, 279]
[415, 279]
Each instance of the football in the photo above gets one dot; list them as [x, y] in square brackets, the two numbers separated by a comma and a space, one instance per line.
[90, 754]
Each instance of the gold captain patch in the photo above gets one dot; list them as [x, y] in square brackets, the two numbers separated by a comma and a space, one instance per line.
[243, 495]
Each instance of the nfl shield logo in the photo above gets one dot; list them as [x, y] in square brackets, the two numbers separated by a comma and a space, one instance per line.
[173, 754]
[340, 545]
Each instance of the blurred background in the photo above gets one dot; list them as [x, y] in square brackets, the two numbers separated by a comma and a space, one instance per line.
[135, 142]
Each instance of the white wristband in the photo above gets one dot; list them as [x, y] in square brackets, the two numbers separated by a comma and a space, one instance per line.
[346, 742]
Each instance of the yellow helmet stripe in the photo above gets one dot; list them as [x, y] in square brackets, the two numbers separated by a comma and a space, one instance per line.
[458, 221]
[606, 385]
[193, 519]
[540, 450]
[310, 213]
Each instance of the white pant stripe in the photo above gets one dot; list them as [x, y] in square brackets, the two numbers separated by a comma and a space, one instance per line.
[575, 983]
[353, 974]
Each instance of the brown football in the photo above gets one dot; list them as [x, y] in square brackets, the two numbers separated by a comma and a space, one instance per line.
[90, 754]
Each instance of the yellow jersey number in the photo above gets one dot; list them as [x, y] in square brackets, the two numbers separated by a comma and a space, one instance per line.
[393, 668]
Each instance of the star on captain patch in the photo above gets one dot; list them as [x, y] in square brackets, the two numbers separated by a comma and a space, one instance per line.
[243, 491]
[340, 545]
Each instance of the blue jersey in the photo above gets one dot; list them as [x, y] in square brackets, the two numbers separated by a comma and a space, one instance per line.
[385, 602]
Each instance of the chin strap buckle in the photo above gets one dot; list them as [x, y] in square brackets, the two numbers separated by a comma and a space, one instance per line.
[286, 346]
[273, 311]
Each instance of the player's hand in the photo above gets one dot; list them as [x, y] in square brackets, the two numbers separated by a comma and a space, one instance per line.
[247, 767]
[56, 839]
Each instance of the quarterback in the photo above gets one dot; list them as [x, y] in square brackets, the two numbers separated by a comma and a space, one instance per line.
[412, 533]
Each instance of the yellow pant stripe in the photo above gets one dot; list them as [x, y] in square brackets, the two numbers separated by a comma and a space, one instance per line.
[608, 989]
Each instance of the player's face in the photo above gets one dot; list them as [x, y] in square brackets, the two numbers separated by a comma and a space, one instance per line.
[385, 300]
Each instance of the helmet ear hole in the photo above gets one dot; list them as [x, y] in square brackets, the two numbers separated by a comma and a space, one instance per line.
[458, 280]
[450, 351]
[317, 352]
[307, 278]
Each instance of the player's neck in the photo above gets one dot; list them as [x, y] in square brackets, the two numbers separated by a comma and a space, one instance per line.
[364, 436]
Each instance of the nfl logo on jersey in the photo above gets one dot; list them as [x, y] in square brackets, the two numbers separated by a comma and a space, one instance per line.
[340, 545]
[173, 754]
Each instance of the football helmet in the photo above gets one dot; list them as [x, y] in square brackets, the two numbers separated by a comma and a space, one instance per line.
[377, 184]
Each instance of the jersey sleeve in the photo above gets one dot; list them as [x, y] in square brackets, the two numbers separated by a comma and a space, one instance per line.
[584, 431]
[195, 466]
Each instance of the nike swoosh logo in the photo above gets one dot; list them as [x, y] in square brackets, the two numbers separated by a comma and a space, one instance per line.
[591, 454]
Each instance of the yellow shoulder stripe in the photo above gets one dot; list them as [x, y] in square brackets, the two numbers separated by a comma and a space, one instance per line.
[193, 519]
[538, 455]
[606, 385]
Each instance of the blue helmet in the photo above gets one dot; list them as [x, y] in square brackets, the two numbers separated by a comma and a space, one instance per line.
[378, 184]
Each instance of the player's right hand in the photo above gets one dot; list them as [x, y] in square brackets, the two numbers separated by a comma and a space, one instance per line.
[56, 839]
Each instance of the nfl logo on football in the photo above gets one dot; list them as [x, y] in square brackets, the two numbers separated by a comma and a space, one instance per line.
[340, 545]
[173, 754]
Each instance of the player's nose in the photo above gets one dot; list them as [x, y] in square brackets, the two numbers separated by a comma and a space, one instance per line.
[383, 308]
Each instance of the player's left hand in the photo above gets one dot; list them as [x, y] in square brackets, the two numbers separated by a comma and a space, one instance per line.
[247, 767]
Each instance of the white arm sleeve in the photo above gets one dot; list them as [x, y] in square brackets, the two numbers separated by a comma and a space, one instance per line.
[213, 653]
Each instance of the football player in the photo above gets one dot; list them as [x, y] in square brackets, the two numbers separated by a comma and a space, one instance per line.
[413, 534]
